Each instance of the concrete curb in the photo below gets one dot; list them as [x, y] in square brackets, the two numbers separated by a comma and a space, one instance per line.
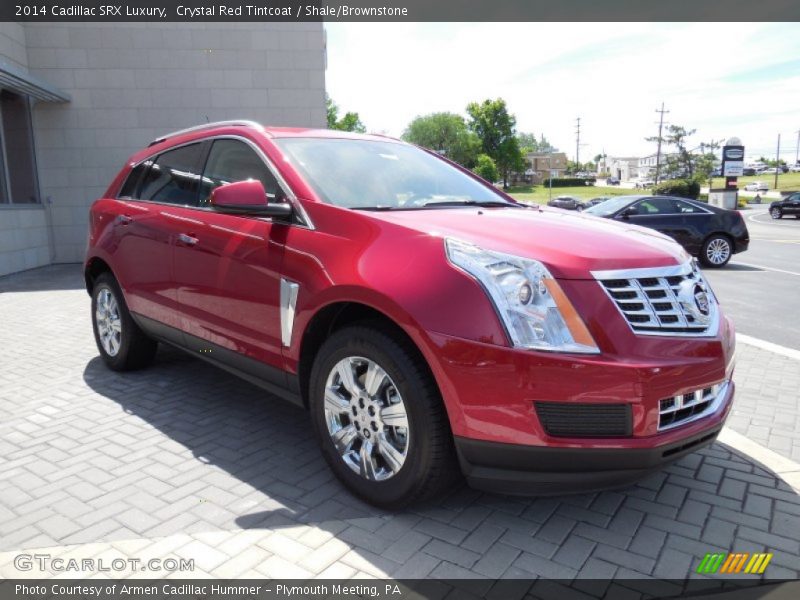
[769, 346]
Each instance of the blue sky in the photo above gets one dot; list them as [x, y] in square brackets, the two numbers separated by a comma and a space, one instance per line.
[722, 79]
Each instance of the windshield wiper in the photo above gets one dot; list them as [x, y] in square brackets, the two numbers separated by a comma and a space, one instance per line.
[487, 203]
[382, 207]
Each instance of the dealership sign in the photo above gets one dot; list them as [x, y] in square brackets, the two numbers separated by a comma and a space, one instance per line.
[732, 161]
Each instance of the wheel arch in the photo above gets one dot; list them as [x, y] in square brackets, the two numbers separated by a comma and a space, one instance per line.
[95, 267]
[339, 314]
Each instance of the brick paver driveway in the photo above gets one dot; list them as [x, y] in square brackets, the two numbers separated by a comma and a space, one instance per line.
[184, 460]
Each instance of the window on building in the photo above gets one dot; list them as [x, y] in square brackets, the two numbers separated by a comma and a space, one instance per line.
[173, 177]
[18, 180]
[230, 161]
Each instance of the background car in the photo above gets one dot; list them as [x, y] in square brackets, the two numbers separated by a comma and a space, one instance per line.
[612, 181]
[644, 183]
[795, 168]
[567, 203]
[712, 234]
[756, 186]
[786, 207]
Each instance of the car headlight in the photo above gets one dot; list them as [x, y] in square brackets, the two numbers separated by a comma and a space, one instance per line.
[532, 306]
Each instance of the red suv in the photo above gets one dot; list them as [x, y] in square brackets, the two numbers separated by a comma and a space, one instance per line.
[427, 321]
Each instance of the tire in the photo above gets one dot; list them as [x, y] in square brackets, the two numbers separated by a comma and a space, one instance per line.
[717, 251]
[776, 213]
[122, 345]
[403, 464]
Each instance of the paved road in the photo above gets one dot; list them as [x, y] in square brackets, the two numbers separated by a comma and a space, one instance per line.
[760, 288]
[183, 460]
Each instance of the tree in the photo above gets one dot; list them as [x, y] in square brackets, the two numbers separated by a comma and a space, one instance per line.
[681, 161]
[349, 122]
[528, 143]
[447, 134]
[494, 125]
[486, 168]
[706, 161]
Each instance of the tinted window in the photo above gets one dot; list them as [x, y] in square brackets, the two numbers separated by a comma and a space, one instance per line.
[173, 177]
[686, 208]
[17, 137]
[230, 161]
[131, 184]
[655, 206]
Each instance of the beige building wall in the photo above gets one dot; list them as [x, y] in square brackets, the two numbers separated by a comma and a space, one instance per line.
[23, 229]
[131, 82]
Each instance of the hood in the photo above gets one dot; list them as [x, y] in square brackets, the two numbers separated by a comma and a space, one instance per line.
[570, 244]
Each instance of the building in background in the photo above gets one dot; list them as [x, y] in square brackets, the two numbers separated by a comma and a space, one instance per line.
[76, 99]
[625, 168]
[540, 165]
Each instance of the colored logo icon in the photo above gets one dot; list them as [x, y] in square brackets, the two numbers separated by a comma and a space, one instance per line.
[741, 562]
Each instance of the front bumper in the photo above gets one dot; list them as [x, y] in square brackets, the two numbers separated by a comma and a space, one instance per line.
[523, 470]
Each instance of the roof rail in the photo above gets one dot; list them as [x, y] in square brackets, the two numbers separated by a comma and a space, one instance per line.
[235, 122]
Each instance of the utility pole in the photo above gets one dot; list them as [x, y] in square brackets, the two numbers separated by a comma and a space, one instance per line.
[578, 143]
[777, 162]
[661, 112]
[797, 150]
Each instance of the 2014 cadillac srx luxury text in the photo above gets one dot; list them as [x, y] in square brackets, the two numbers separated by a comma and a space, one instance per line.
[429, 323]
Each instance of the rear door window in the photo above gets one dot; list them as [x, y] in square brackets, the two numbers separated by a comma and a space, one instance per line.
[174, 176]
[655, 206]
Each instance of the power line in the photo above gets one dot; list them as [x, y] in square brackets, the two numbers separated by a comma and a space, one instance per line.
[661, 112]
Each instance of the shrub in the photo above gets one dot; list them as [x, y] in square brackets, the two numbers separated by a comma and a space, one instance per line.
[569, 181]
[685, 188]
[486, 168]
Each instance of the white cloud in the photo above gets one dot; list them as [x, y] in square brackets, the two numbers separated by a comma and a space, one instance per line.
[720, 79]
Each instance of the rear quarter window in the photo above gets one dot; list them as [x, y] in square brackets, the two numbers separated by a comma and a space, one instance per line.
[131, 185]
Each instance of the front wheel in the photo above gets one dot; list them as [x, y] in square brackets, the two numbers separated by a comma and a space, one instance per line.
[379, 418]
[776, 213]
[716, 252]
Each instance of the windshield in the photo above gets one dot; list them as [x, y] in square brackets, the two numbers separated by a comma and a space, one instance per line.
[610, 206]
[378, 175]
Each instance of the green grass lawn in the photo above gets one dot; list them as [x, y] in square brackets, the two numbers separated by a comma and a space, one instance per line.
[540, 193]
[786, 181]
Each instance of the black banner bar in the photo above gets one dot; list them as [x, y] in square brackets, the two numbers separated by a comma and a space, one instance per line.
[400, 10]
[728, 588]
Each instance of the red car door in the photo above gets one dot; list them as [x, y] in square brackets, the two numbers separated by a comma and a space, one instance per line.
[227, 269]
[145, 230]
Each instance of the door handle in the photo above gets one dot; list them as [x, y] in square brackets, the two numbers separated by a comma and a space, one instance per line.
[124, 219]
[187, 239]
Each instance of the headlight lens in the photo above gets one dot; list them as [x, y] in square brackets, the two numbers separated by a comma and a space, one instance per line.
[532, 306]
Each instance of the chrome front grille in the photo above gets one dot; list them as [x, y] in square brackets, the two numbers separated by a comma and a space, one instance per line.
[663, 300]
[686, 408]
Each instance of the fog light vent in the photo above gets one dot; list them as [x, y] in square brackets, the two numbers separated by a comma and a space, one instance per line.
[585, 420]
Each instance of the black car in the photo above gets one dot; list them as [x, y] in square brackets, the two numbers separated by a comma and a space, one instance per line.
[567, 203]
[786, 207]
[712, 234]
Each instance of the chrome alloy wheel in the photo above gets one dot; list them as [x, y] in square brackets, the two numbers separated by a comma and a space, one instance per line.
[718, 251]
[775, 213]
[366, 418]
[109, 324]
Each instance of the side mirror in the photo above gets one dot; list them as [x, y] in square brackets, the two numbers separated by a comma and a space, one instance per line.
[247, 198]
[631, 210]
